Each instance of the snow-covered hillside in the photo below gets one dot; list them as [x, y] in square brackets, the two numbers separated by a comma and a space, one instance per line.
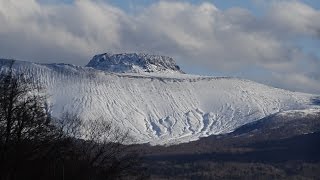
[160, 108]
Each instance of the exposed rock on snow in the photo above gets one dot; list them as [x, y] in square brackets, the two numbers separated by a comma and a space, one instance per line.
[133, 63]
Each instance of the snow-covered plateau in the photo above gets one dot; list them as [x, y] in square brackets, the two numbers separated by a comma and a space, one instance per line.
[152, 98]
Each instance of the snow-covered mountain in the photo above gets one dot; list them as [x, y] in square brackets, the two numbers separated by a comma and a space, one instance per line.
[151, 97]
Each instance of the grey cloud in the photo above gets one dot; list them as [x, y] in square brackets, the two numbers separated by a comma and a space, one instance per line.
[294, 17]
[230, 41]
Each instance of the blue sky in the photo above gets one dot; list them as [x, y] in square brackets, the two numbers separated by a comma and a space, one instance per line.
[269, 41]
[221, 4]
[256, 7]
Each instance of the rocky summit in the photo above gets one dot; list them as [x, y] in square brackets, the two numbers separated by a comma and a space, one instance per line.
[134, 63]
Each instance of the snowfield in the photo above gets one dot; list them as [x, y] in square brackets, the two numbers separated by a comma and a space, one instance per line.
[160, 108]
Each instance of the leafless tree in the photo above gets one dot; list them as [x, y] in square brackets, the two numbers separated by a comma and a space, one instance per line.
[63, 148]
[101, 145]
[24, 121]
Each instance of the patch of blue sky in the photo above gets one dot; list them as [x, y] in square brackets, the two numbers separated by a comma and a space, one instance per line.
[252, 5]
[256, 7]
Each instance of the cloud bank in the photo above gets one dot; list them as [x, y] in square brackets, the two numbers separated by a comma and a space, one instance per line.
[264, 48]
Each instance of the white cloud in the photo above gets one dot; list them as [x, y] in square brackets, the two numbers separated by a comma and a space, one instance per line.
[295, 17]
[229, 41]
[296, 82]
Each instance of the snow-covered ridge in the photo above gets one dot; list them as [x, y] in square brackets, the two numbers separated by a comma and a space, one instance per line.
[300, 113]
[161, 108]
[134, 63]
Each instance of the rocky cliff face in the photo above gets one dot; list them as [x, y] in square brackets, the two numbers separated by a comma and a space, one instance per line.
[134, 63]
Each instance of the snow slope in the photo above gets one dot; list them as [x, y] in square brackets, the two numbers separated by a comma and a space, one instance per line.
[160, 108]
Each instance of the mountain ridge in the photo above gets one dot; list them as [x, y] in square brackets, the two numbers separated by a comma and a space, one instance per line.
[160, 108]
